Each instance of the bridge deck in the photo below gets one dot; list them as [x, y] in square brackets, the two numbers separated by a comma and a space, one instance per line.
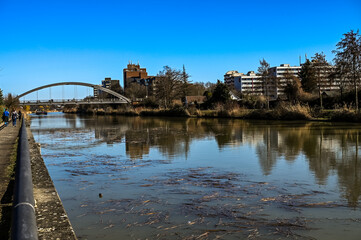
[72, 102]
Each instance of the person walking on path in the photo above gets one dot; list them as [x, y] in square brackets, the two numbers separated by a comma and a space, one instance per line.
[6, 117]
[19, 113]
[14, 116]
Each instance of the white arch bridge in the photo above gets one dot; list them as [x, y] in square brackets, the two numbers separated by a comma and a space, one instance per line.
[119, 99]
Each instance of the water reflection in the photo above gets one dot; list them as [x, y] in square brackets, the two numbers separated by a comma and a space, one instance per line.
[328, 148]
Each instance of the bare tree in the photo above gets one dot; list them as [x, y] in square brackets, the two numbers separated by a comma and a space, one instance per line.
[348, 59]
[135, 90]
[168, 86]
[338, 76]
[11, 102]
[266, 78]
[320, 66]
[293, 86]
[196, 89]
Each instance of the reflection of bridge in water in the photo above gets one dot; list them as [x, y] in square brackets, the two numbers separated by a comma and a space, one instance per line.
[118, 98]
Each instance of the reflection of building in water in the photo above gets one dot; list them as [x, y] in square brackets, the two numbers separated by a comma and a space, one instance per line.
[110, 135]
[136, 150]
[137, 143]
[326, 148]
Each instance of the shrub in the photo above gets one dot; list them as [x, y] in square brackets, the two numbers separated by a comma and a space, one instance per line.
[293, 112]
[173, 112]
[282, 112]
[346, 114]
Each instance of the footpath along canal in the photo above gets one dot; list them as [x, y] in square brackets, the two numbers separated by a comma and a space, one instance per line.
[169, 178]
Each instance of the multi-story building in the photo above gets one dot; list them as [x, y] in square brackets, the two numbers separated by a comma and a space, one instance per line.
[109, 83]
[96, 92]
[280, 73]
[322, 74]
[252, 83]
[249, 83]
[133, 73]
[106, 83]
[324, 81]
[229, 77]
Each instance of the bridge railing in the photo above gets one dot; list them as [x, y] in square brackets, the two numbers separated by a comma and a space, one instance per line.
[24, 221]
[59, 101]
[52, 100]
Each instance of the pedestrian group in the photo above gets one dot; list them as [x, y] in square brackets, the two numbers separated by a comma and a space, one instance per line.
[13, 116]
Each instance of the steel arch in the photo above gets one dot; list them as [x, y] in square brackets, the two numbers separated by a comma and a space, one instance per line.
[126, 100]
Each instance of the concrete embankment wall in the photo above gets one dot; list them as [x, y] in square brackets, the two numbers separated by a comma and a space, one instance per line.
[51, 218]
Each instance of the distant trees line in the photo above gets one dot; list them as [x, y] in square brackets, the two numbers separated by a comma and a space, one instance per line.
[9, 101]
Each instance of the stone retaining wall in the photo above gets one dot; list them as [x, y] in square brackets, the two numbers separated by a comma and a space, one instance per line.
[52, 220]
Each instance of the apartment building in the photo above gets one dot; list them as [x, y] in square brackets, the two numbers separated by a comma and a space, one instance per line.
[106, 83]
[229, 77]
[252, 84]
[280, 72]
[133, 73]
[324, 80]
[249, 83]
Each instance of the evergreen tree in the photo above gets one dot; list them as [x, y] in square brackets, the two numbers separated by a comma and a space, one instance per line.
[348, 59]
[1, 97]
[308, 77]
[185, 86]
[220, 93]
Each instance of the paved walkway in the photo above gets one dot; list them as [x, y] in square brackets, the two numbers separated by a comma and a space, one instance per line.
[8, 136]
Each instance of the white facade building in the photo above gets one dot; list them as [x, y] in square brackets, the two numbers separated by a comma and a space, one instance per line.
[279, 73]
[252, 84]
[248, 83]
[324, 80]
[229, 77]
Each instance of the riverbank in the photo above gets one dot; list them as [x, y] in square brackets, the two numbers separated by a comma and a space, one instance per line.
[282, 112]
[51, 217]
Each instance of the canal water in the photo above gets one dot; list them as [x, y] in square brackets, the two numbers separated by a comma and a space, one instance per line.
[175, 178]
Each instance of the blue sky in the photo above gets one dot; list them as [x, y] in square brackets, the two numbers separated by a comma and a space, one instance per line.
[44, 42]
